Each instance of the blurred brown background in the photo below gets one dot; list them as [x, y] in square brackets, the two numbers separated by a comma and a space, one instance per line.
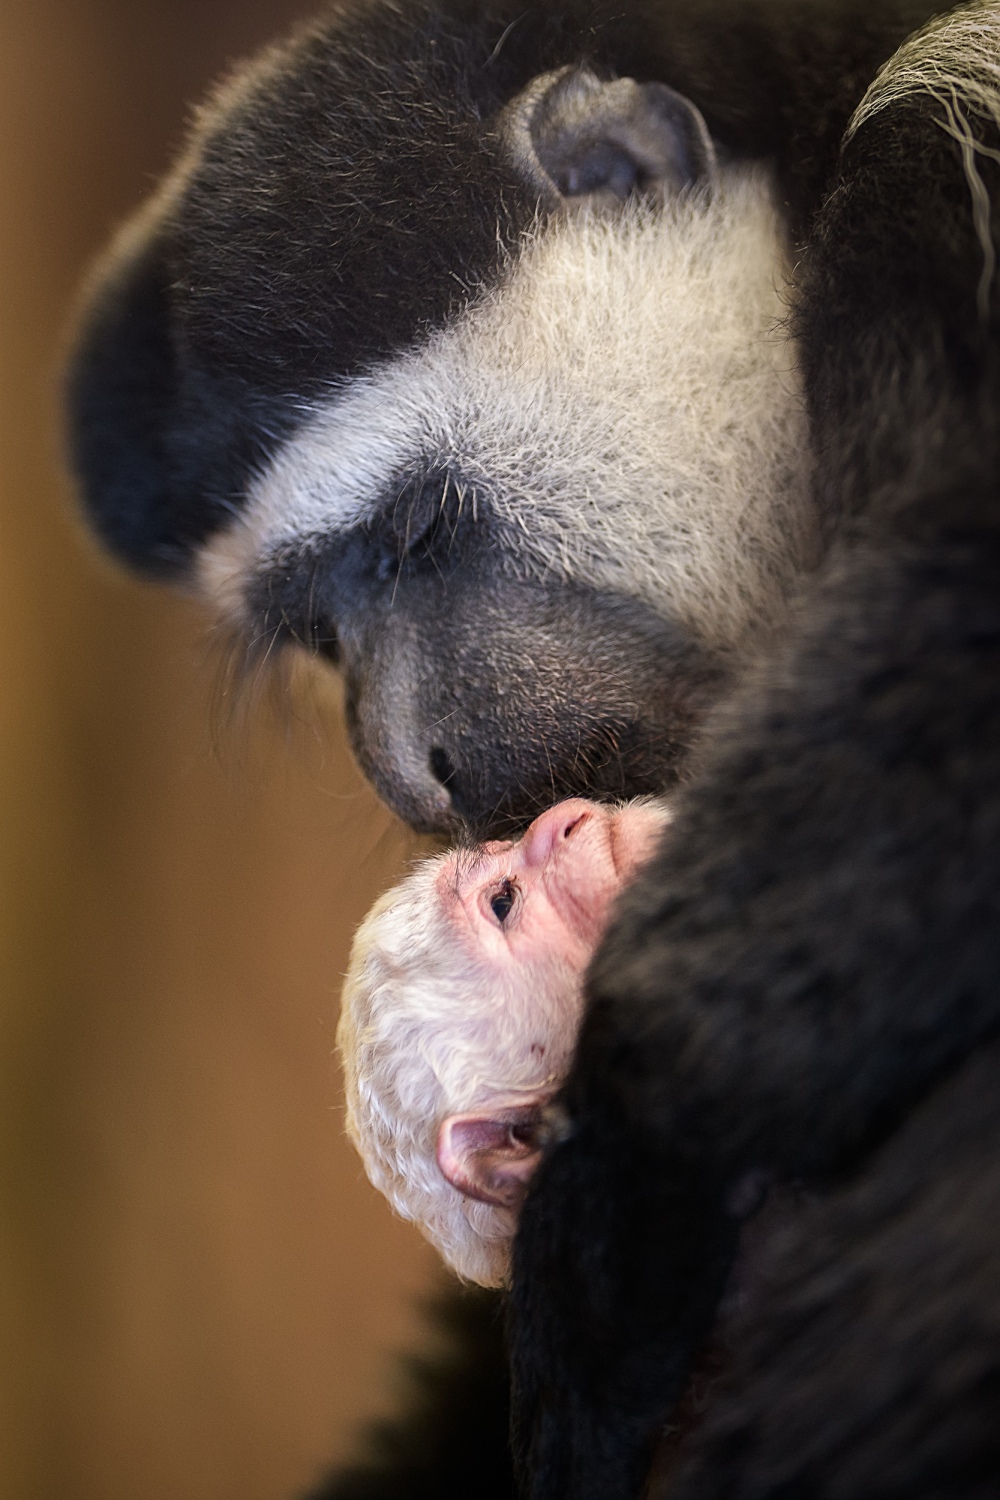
[198, 1292]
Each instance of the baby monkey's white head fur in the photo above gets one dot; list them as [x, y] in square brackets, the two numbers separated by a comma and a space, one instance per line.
[434, 1044]
[626, 398]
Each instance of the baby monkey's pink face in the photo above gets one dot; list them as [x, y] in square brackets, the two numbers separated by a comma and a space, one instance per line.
[534, 911]
[549, 893]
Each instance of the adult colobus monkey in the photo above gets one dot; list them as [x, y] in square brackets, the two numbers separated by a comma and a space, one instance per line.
[585, 379]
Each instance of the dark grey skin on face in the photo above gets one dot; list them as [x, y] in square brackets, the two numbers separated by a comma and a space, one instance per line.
[443, 653]
[801, 990]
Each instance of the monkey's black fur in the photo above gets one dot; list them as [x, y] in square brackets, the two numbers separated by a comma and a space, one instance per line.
[800, 1000]
[783, 926]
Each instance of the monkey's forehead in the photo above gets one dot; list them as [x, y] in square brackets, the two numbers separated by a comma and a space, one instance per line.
[350, 189]
[346, 193]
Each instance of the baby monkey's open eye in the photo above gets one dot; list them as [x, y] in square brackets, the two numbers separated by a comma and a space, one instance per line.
[524, 1134]
[503, 900]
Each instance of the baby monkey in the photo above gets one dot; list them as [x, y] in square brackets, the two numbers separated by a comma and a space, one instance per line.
[461, 1008]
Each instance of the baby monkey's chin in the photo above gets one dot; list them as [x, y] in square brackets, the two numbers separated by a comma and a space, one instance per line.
[635, 832]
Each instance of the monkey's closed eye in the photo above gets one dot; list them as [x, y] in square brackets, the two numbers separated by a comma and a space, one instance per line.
[502, 903]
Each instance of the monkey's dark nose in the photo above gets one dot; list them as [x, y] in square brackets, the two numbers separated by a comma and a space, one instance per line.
[498, 795]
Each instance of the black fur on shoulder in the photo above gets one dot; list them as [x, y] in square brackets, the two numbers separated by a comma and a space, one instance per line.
[454, 1419]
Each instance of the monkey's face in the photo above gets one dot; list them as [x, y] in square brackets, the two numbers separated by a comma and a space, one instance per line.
[529, 916]
[469, 381]
[548, 895]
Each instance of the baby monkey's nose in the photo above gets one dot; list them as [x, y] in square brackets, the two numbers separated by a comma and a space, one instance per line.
[554, 826]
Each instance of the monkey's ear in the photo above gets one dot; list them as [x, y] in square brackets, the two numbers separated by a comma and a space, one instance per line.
[584, 141]
[491, 1156]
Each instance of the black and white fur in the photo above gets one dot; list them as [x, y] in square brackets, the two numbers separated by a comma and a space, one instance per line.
[612, 393]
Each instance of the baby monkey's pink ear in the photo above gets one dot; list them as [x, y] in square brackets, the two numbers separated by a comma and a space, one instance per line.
[491, 1155]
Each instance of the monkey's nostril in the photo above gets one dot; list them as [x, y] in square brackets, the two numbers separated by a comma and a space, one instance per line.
[441, 766]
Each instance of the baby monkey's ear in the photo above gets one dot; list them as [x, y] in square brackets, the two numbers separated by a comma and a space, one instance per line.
[491, 1155]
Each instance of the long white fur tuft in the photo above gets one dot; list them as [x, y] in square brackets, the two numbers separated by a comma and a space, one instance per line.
[955, 60]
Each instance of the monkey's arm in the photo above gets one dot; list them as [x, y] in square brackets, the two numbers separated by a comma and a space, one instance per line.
[819, 942]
